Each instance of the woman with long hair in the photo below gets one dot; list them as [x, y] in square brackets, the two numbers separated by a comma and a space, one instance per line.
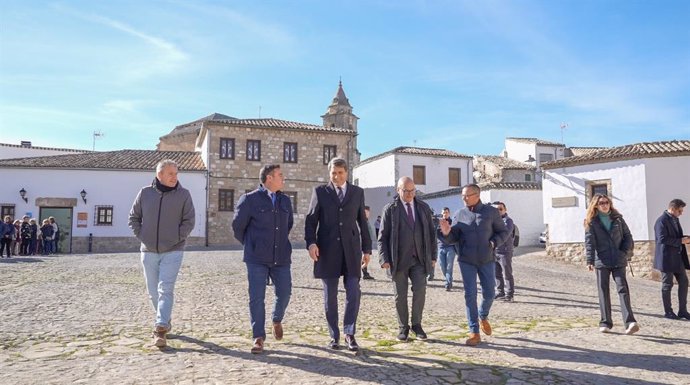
[608, 245]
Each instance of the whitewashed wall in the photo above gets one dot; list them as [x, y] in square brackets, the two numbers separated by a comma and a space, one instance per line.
[667, 179]
[628, 190]
[377, 173]
[436, 170]
[103, 187]
[520, 151]
[525, 207]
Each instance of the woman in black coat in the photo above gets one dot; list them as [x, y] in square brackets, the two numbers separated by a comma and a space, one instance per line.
[609, 244]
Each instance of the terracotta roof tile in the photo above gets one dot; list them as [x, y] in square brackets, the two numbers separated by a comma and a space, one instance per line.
[505, 163]
[283, 124]
[577, 151]
[631, 151]
[43, 148]
[112, 160]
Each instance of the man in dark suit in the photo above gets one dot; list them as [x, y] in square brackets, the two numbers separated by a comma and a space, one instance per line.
[335, 231]
[407, 246]
[671, 258]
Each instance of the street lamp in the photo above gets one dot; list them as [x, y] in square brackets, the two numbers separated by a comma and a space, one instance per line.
[22, 193]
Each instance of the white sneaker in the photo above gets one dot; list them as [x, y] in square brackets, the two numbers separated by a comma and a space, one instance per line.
[633, 327]
[605, 329]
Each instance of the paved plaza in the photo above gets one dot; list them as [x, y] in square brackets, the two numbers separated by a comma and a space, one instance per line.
[85, 319]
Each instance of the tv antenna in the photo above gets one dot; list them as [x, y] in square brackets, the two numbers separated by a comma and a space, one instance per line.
[564, 125]
[96, 134]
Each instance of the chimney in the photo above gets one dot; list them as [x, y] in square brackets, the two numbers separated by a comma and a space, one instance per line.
[26, 143]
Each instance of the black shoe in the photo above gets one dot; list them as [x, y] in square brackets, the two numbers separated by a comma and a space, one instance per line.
[404, 333]
[351, 343]
[671, 315]
[685, 315]
[499, 295]
[508, 298]
[367, 276]
[419, 332]
[431, 278]
[448, 287]
[334, 344]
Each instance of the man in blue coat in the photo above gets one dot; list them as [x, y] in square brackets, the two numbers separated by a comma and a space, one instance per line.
[671, 258]
[262, 223]
[477, 231]
[335, 231]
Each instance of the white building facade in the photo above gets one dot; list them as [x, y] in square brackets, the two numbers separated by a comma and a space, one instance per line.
[641, 179]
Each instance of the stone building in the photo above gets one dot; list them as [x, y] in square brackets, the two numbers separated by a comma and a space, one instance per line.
[234, 150]
[494, 168]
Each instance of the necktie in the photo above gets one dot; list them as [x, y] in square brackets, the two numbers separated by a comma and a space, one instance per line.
[273, 199]
[410, 217]
[341, 196]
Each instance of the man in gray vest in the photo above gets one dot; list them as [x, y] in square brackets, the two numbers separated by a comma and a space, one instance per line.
[407, 246]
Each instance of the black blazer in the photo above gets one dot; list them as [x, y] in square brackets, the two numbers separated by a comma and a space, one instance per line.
[670, 255]
[335, 228]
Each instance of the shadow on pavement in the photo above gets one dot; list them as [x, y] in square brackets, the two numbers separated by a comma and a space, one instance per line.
[21, 260]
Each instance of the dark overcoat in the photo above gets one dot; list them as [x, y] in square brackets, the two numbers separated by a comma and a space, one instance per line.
[670, 255]
[338, 229]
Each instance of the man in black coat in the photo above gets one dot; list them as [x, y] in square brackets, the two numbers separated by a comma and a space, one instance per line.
[335, 231]
[671, 258]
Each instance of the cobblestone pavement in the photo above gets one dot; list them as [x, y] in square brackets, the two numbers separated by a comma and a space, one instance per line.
[85, 319]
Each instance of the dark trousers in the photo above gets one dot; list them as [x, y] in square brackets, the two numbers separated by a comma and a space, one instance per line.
[603, 278]
[257, 275]
[5, 245]
[667, 285]
[504, 274]
[330, 301]
[417, 275]
[25, 247]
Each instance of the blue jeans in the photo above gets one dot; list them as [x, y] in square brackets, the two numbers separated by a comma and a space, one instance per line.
[446, 257]
[486, 273]
[257, 275]
[160, 273]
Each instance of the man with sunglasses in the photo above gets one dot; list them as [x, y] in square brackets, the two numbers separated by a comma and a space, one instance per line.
[477, 232]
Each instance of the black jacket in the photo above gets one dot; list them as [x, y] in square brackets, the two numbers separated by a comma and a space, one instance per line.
[608, 248]
[388, 234]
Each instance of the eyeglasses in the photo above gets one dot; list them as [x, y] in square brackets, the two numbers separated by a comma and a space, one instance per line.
[407, 191]
[603, 203]
[469, 195]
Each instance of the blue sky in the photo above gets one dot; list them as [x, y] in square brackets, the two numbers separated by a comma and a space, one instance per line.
[460, 75]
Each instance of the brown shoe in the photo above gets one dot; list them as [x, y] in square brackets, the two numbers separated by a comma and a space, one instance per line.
[258, 346]
[278, 331]
[474, 339]
[159, 337]
[485, 326]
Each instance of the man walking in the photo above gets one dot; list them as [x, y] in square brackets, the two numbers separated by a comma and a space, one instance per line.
[262, 223]
[335, 231]
[446, 253]
[671, 258]
[505, 284]
[162, 217]
[479, 230]
[407, 246]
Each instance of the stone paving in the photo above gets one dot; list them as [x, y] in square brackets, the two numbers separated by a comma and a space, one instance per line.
[85, 319]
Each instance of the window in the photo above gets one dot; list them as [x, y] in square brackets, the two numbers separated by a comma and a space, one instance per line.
[104, 216]
[454, 177]
[328, 153]
[7, 210]
[293, 198]
[419, 174]
[227, 148]
[545, 158]
[253, 150]
[528, 177]
[226, 200]
[602, 186]
[289, 152]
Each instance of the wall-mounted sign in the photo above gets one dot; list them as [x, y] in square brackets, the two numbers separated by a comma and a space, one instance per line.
[564, 202]
[82, 219]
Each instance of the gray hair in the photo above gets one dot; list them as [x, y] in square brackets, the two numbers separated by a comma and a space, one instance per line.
[165, 163]
[337, 162]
